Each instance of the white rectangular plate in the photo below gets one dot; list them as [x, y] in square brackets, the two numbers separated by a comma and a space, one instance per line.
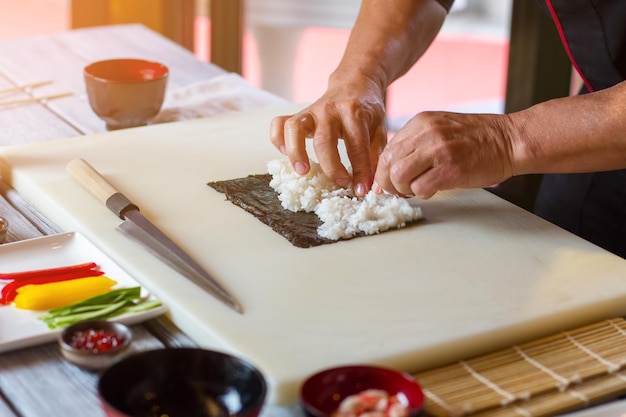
[22, 328]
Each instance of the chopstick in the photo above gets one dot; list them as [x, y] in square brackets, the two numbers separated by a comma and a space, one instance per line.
[34, 99]
[25, 86]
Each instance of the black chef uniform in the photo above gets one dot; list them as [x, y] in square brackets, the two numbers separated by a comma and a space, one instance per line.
[592, 205]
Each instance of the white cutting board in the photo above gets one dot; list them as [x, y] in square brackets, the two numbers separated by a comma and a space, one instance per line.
[477, 275]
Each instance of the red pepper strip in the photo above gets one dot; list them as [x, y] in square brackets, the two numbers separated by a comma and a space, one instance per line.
[11, 276]
[9, 291]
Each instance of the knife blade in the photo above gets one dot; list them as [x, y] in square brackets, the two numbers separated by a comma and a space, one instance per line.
[138, 227]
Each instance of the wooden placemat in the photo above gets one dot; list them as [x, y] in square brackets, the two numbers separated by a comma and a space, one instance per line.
[545, 377]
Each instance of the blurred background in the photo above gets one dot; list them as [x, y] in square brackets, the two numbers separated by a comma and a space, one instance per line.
[290, 47]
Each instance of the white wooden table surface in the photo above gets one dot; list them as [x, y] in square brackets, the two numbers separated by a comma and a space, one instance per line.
[37, 382]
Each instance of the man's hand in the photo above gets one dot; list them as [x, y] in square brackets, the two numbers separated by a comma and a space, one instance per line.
[354, 115]
[440, 151]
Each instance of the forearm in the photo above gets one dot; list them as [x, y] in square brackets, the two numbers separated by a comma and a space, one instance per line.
[584, 133]
[388, 37]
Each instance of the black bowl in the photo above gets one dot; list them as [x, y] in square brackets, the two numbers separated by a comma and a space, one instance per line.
[182, 382]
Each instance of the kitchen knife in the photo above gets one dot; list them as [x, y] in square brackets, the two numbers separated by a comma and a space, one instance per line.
[138, 227]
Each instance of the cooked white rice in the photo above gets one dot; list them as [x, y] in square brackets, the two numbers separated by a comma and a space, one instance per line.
[342, 214]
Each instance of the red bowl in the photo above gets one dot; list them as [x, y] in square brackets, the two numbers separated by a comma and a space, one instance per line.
[127, 70]
[321, 394]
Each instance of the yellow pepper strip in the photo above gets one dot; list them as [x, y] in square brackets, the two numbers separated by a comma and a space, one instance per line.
[58, 294]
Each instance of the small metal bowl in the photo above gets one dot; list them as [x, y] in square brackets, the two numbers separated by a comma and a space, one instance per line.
[4, 227]
[94, 356]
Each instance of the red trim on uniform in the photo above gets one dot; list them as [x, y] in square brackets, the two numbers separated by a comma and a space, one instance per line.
[566, 45]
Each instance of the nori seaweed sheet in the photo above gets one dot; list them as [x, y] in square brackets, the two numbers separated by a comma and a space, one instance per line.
[254, 194]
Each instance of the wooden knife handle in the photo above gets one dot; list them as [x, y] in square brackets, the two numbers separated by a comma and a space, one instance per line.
[99, 187]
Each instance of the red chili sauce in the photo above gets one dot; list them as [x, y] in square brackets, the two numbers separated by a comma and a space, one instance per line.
[96, 341]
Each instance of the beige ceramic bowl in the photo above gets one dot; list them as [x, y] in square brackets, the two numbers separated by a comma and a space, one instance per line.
[4, 227]
[126, 92]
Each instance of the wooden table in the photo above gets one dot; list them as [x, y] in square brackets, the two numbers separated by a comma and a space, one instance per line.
[37, 381]
[61, 59]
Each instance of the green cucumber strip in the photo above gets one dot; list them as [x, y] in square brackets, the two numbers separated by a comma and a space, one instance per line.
[103, 306]
[106, 298]
[63, 321]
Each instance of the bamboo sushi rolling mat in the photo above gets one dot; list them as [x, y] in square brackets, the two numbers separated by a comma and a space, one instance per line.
[545, 377]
